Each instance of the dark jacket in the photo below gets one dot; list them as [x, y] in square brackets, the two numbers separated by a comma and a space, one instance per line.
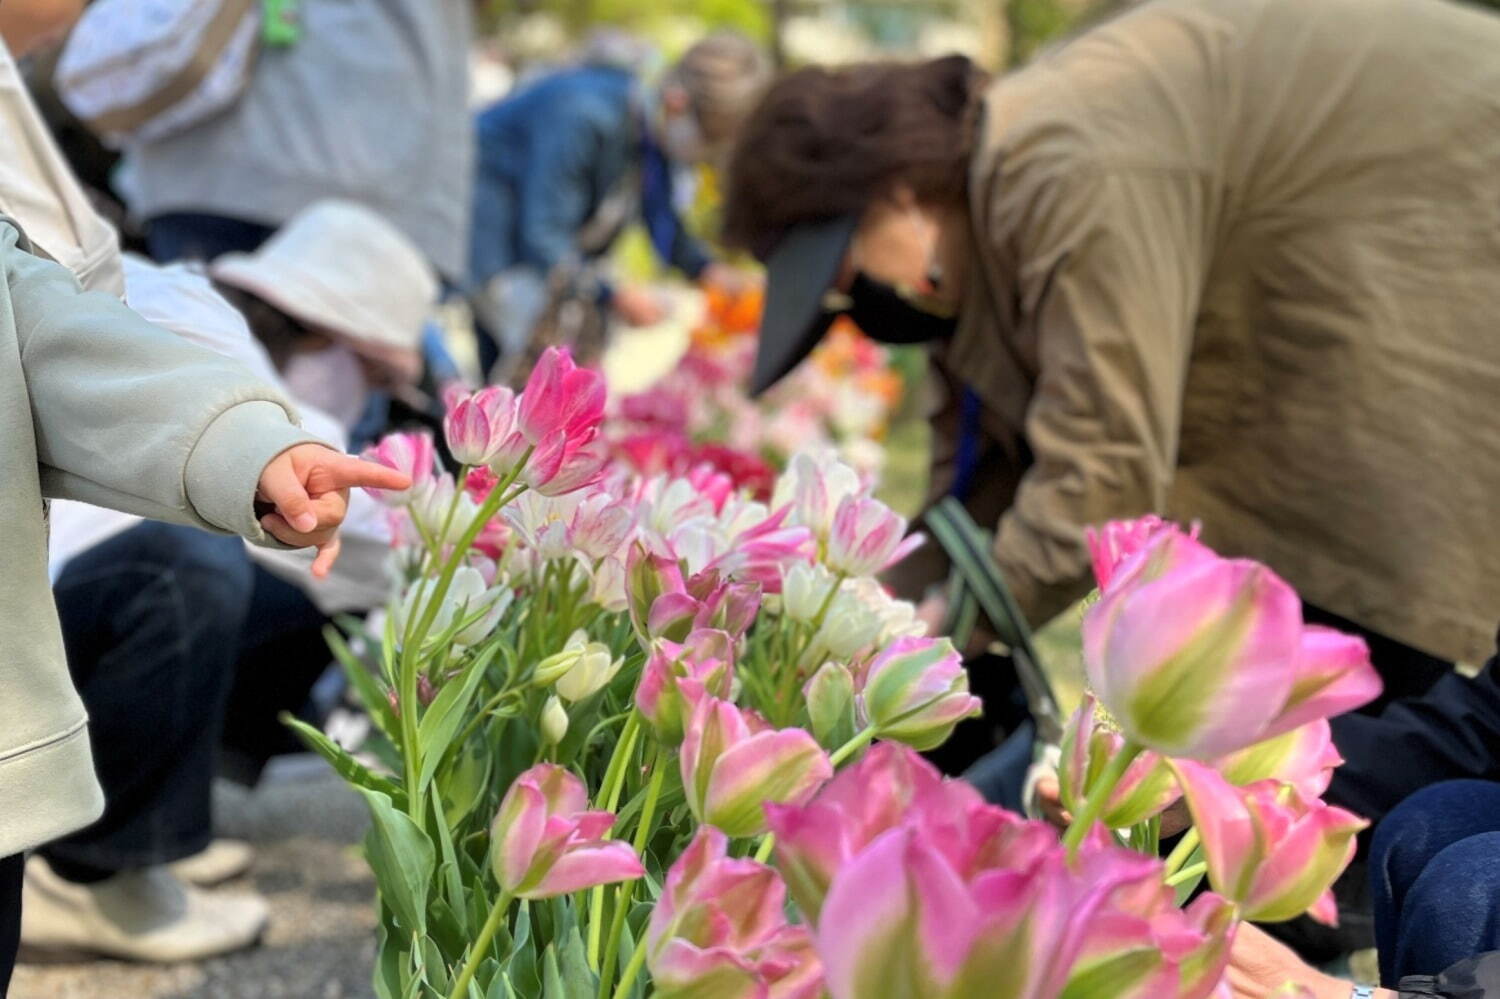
[550, 154]
[1449, 733]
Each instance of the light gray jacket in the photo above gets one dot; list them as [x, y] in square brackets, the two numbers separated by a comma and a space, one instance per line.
[98, 405]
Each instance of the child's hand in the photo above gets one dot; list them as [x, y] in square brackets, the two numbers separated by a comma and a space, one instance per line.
[309, 487]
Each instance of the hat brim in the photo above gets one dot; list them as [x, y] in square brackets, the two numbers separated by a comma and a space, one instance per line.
[799, 273]
[298, 297]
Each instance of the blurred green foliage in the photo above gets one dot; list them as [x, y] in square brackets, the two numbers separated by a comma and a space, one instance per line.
[661, 20]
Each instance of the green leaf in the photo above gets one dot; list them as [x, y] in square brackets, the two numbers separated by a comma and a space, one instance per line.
[500, 988]
[464, 784]
[1185, 889]
[365, 685]
[441, 721]
[579, 982]
[402, 858]
[343, 763]
[448, 874]
[552, 980]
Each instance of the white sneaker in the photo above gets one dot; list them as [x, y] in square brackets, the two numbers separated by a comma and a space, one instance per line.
[222, 860]
[146, 915]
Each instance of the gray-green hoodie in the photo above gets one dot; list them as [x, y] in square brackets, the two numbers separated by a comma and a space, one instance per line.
[98, 405]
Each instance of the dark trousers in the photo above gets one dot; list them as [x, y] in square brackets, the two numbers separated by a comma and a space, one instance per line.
[1435, 874]
[152, 620]
[10, 917]
[197, 236]
[165, 626]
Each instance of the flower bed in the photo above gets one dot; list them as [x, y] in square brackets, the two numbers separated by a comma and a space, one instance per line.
[655, 736]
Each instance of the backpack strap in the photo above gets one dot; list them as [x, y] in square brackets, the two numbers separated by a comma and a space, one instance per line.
[976, 587]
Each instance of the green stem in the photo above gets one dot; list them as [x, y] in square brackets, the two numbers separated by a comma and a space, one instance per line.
[767, 844]
[1182, 851]
[853, 746]
[633, 969]
[1099, 796]
[792, 663]
[481, 945]
[625, 894]
[609, 799]
[1187, 874]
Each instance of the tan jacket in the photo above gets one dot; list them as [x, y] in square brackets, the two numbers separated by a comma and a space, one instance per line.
[1239, 261]
[97, 405]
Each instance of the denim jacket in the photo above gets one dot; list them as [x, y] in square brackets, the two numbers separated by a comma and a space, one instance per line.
[549, 156]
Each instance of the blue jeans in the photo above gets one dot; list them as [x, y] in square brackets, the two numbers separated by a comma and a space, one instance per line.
[1435, 873]
[152, 620]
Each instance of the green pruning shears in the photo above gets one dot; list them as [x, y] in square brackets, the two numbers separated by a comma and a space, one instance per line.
[280, 24]
[976, 588]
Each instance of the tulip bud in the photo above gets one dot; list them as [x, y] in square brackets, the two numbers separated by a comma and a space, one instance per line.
[830, 702]
[590, 673]
[675, 673]
[867, 537]
[554, 722]
[543, 842]
[916, 692]
[804, 588]
[733, 765]
[414, 454]
[1305, 757]
[721, 924]
[1269, 848]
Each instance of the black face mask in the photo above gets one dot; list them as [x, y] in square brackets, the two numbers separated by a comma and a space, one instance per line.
[884, 314]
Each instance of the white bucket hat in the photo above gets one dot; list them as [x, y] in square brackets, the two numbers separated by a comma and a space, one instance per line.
[341, 268]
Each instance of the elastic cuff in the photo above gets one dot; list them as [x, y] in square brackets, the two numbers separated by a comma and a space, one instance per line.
[223, 472]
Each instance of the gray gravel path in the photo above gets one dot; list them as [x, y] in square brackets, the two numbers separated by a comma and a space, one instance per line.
[305, 825]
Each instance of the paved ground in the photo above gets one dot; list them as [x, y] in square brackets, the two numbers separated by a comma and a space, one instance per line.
[320, 944]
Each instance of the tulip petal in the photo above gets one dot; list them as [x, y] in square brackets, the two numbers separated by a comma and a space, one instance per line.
[781, 766]
[1333, 675]
[587, 866]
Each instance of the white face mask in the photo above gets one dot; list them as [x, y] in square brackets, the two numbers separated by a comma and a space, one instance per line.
[331, 379]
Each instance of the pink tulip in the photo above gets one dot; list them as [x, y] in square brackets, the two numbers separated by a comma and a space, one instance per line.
[412, 453]
[1146, 789]
[600, 526]
[481, 426]
[1139, 945]
[916, 691]
[561, 464]
[647, 576]
[1198, 656]
[677, 675]
[890, 785]
[867, 537]
[733, 764]
[560, 397]
[720, 929]
[1113, 544]
[901, 919]
[1192, 663]
[1269, 849]
[1305, 757]
[762, 551]
[711, 484]
[544, 843]
[811, 490]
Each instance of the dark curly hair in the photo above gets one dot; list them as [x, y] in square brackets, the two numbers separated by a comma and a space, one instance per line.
[826, 142]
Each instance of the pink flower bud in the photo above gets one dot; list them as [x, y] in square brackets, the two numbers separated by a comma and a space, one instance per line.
[544, 843]
[732, 766]
[412, 453]
[916, 691]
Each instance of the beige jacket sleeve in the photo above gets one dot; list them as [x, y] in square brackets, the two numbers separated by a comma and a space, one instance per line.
[1109, 272]
[130, 417]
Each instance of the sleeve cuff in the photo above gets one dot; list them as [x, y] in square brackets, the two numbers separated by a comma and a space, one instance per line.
[223, 472]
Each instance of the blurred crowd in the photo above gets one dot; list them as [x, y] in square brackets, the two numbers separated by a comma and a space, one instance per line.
[1126, 305]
